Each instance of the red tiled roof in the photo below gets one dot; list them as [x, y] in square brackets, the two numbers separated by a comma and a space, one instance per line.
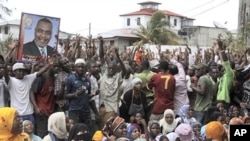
[149, 2]
[170, 13]
[150, 12]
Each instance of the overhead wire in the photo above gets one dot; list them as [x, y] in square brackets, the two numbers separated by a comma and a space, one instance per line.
[197, 7]
[210, 9]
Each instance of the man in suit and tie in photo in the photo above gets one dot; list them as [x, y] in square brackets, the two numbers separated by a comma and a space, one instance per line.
[39, 46]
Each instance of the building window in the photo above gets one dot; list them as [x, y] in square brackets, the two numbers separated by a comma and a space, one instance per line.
[128, 21]
[175, 22]
[138, 21]
[6, 31]
[112, 42]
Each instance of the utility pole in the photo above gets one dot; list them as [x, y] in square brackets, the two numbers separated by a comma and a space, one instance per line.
[89, 29]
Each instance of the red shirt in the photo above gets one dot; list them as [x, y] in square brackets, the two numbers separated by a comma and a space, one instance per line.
[164, 88]
[45, 98]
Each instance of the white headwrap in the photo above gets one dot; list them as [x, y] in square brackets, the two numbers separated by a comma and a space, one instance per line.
[57, 125]
[172, 136]
[135, 81]
[168, 127]
[80, 61]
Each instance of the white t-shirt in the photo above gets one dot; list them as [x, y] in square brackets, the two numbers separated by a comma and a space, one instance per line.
[19, 94]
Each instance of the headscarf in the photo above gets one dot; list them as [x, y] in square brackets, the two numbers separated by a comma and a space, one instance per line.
[130, 130]
[185, 132]
[184, 117]
[168, 127]
[236, 121]
[7, 116]
[112, 124]
[184, 110]
[135, 81]
[57, 125]
[245, 118]
[79, 131]
[214, 130]
[116, 123]
[161, 138]
[150, 124]
[172, 136]
[32, 136]
[98, 136]
[196, 123]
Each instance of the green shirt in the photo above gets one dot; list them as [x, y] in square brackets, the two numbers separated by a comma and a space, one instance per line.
[145, 77]
[226, 83]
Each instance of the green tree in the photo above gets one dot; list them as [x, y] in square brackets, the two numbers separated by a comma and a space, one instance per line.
[244, 36]
[4, 10]
[156, 31]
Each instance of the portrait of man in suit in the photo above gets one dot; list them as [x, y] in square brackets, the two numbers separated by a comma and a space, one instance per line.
[42, 35]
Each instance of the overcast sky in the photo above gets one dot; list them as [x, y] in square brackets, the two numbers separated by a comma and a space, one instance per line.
[104, 14]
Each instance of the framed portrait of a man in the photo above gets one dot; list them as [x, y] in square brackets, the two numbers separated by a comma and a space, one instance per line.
[38, 36]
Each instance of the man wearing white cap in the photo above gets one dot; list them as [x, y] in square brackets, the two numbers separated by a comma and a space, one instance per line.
[78, 90]
[19, 89]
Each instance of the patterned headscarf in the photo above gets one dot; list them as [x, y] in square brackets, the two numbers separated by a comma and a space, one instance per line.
[112, 124]
[7, 116]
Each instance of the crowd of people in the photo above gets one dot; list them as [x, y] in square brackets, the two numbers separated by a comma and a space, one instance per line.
[80, 94]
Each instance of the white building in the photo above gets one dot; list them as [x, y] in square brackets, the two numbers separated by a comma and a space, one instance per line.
[9, 27]
[148, 8]
[181, 25]
[13, 27]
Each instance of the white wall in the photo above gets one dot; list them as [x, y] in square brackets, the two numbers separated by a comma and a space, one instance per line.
[13, 29]
[178, 26]
[133, 20]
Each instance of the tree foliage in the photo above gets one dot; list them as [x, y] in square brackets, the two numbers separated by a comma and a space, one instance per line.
[156, 31]
[4, 10]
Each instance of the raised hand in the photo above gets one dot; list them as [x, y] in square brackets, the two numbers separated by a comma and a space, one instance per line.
[100, 38]
[50, 60]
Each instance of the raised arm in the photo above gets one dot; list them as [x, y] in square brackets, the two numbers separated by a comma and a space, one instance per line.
[46, 67]
[101, 50]
[121, 62]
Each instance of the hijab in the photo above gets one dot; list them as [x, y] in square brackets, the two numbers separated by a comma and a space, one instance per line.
[172, 136]
[166, 128]
[79, 131]
[130, 130]
[7, 116]
[214, 130]
[150, 134]
[57, 126]
[185, 132]
[33, 137]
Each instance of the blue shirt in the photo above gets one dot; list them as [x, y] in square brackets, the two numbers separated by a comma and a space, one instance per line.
[81, 103]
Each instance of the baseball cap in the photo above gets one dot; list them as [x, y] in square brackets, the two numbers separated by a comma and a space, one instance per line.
[17, 66]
